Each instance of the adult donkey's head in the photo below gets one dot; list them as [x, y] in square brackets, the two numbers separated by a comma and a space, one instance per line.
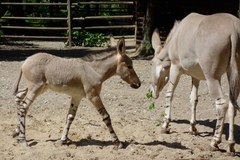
[160, 65]
[125, 66]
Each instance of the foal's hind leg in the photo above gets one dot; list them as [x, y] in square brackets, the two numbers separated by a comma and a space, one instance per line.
[97, 102]
[70, 117]
[22, 111]
[221, 108]
[194, 102]
[18, 99]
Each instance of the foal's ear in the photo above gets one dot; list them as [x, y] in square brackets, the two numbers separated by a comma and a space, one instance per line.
[121, 46]
[113, 41]
[156, 41]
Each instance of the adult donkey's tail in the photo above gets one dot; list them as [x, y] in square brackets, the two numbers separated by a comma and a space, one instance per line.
[234, 70]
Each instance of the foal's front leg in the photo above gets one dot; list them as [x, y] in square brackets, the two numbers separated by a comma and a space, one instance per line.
[97, 102]
[173, 81]
[70, 117]
[194, 102]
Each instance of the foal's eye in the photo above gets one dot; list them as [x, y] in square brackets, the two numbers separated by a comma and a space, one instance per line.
[130, 67]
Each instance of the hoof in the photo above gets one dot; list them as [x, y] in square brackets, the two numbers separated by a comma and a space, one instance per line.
[214, 146]
[118, 145]
[165, 130]
[23, 142]
[66, 141]
[231, 149]
[194, 133]
[15, 134]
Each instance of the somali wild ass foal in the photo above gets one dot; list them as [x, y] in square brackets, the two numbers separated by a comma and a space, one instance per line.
[75, 77]
[203, 47]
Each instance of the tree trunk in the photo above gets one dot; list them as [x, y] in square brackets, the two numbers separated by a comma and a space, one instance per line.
[145, 48]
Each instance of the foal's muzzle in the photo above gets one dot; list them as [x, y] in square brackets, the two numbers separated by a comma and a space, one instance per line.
[135, 85]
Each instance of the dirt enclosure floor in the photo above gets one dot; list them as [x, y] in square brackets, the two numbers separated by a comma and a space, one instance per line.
[134, 123]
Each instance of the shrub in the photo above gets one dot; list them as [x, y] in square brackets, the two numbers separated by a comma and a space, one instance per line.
[87, 39]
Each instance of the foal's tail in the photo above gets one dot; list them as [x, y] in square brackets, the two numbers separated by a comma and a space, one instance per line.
[233, 71]
[19, 94]
[15, 89]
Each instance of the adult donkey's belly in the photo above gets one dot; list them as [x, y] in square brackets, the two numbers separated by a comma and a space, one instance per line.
[192, 68]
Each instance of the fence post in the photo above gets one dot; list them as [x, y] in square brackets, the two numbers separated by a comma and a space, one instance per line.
[239, 9]
[69, 23]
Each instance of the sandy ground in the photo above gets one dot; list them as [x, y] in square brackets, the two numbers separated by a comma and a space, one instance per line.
[136, 125]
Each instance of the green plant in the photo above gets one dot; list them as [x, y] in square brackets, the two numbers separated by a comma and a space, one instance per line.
[149, 96]
[151, 106]
[87, 39]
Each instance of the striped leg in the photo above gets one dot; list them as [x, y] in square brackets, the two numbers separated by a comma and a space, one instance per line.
[18, 99]
[32, 93]
[173, 81]
[70, 117]
[97, 102]
[221, 109]
[21, 94]
[22, 112]
[194, 102]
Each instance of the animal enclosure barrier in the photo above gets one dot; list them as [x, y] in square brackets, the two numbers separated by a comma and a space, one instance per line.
[57, 20]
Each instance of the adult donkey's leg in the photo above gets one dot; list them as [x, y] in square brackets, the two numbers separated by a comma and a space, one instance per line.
[232, 111]
[70, 117]
[194, 102]
[221, 108]
[97, 102]
[231, 115]
[173, 81]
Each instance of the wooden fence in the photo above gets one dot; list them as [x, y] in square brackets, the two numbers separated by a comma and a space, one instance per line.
[91, 20]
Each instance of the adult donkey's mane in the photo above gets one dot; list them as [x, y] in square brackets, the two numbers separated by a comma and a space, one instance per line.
[171, 33]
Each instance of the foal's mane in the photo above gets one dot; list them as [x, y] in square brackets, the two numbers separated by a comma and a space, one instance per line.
[171, 33]
[100, 54]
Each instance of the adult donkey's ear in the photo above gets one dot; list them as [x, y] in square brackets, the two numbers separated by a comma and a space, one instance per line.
[121, 46]
[156, 41]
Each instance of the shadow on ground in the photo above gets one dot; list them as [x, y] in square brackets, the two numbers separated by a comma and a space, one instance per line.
[212, 124]
[94, 142]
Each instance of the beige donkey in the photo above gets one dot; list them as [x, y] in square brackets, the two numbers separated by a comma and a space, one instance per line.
[76, 77]
[203, 47]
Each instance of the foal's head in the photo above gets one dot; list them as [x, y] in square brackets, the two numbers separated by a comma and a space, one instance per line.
[125, 66]
[160, 66]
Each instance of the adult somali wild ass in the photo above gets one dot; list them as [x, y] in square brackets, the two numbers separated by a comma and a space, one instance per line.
[76, 77]
[203, 47]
